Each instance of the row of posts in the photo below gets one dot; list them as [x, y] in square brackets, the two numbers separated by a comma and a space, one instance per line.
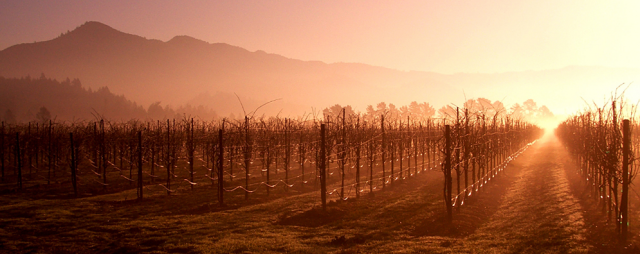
[597, 156]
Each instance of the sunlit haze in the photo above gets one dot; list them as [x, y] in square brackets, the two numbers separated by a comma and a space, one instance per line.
[435, 36]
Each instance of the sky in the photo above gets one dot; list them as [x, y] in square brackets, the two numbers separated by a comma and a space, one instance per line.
[447, 37]
[440, 36]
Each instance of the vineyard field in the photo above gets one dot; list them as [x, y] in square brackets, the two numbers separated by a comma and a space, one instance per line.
[454, 185]
[408, 216]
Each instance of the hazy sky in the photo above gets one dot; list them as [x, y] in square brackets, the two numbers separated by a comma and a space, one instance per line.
[442, 36]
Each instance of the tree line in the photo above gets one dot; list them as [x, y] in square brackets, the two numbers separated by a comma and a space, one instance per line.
[40, 99]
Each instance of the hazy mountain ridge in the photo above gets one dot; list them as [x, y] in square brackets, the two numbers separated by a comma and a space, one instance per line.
[182, 69]
[178, 70]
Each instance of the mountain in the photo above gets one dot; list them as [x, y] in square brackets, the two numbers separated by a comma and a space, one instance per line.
[184, 69]
[226, 78]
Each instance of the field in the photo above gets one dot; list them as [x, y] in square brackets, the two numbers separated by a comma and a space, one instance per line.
[379, 188]
[536, 204]
[307, 127]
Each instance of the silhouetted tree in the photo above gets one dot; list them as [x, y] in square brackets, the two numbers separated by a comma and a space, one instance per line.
[68, 99]
[447, 112]
[155, 111]
[421, 110]
[9, 117]
[530, 107]
[336, 111]
[43, 115]
[517, 112]
[529, 111]
[544, 112]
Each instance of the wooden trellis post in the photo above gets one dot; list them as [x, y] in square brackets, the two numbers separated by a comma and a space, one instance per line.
[358, 146]
[383, 148]
[191, 151]
[27, 149]
[2, 150]
[624, 200]
[287, 160]
[301, 153]
[323, 168]
[371, 160]
[168, 157]
[247, 157]
[74, 179]
[139, 165]
[401, 150]
[457, 157]
[466, 141]
[448, 181]
[220, 169]
[343, 155]
[103, 159]
[19, 161]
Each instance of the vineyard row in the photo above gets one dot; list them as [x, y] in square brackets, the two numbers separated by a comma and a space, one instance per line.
[355, 156]
[605, 147]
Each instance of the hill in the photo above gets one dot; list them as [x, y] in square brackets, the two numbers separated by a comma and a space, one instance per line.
[184, 69]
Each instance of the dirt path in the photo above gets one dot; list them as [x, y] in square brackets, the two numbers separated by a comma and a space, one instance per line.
[538, 212]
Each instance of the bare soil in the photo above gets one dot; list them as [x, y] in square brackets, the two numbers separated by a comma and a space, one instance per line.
[538, 204]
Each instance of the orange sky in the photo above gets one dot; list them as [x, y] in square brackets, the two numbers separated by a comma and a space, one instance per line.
[440, 36]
